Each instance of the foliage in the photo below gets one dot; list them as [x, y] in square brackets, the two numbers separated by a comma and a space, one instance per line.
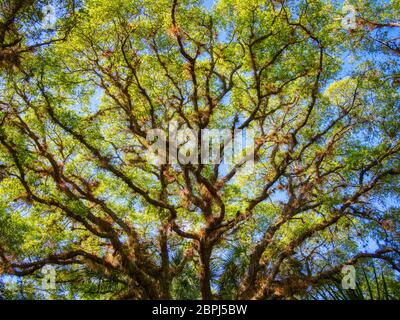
[372, 286]
[78, 193]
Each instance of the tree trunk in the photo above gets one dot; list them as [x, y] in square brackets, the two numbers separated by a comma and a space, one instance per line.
[165, 274]
[205, 272]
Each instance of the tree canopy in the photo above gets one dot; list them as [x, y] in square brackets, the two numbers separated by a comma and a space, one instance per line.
[78, 193]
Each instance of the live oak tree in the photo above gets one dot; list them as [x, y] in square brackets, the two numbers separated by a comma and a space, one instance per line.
[77, 191]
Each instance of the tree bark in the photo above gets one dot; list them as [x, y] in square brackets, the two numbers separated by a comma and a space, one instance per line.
[205, 271]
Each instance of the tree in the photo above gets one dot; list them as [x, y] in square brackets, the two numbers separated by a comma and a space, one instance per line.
[15, 16]
[77, 191]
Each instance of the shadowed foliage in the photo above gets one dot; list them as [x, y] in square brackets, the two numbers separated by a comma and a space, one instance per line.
[77, 191]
